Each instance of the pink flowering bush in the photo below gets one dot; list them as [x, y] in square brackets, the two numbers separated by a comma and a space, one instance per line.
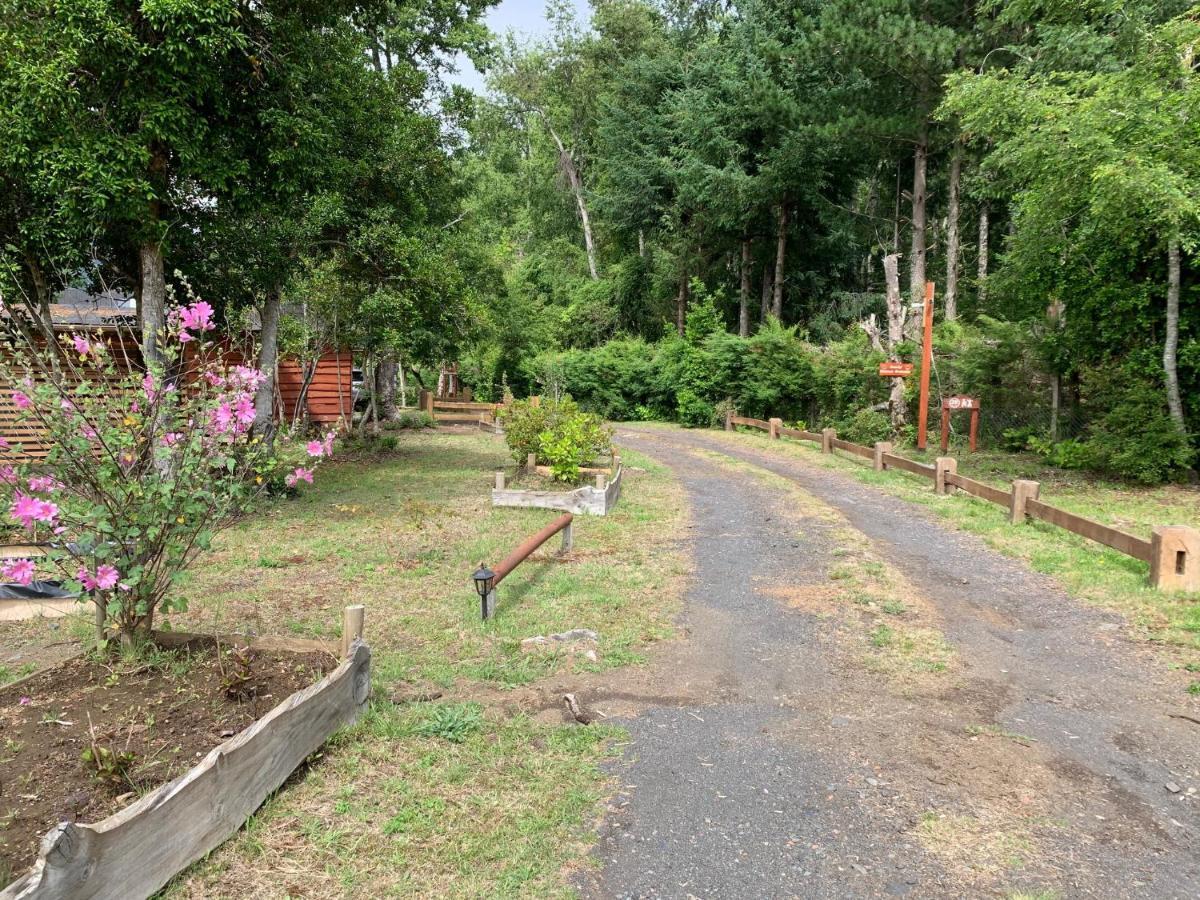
[145, 464]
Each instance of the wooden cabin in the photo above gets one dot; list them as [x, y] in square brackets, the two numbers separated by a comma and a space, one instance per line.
[326, 387]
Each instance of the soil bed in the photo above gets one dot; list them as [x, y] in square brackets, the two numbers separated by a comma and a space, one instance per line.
[168, 708]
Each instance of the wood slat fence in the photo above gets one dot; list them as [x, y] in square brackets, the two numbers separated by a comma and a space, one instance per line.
[1173, 552]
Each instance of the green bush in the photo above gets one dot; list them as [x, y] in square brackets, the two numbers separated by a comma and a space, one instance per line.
[1137, 440]
[557, 433]
[413, 418]
[1016, 440]
[694, 411]
[866, 427]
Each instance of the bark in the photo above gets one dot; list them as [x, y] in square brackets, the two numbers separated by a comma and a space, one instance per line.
[403, 385]
[916, 276]
[744, 295]
[952, 242]
[870, 325]
[895, 311]
[982, 271]
[681, 304]
[1055, 402]
[153, 270]
[268, 364]
[780, 260]
[641, 243]
[1171, 344]
[767, 290]
[569, 167]
[386, 373]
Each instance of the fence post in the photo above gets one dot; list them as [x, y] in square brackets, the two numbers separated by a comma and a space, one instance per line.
[1175, 558]
[601, 483]
[1022, 491]
[943, 466]
[427, 402]
[881, 447]
[499, 479]
[773, 427]
[729, 420]
[352, 626]
[827, 437]
[568, 540]
[531, 463]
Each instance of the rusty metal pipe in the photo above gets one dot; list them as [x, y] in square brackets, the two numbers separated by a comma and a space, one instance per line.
[526, 547]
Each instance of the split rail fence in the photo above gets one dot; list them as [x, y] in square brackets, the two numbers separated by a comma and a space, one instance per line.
[1172, 551]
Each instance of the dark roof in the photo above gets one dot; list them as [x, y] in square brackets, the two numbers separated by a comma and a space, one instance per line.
[73, 307]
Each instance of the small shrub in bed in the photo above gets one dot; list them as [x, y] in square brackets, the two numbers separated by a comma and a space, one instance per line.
[557, 433]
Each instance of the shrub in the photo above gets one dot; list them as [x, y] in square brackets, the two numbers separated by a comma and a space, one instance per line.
[144, 466]
[1015, 440]
[414, 418]
[557, 433]
[866, 427]
[694, 411]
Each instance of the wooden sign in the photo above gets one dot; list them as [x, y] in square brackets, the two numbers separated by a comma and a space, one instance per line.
[960, 403]
[895, 369]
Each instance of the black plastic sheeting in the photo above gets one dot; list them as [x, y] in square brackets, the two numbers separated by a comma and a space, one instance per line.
[35, 590]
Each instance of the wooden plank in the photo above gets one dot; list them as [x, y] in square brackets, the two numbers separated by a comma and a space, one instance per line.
[131, 854]
[800, 435]
[981, 490]
[1128, 544]
[462, 404]
[750, 423]
[856, 449]
[892, 461]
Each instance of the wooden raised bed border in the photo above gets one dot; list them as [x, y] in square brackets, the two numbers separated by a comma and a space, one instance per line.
[134, 852]
[586, 500]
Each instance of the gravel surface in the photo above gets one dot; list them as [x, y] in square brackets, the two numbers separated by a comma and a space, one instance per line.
[797, 772]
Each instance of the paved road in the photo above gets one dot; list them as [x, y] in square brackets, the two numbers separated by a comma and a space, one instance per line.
[801, 774]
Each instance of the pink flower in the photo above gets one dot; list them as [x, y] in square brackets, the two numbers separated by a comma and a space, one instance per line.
[88, 431]
[25, 509]
[82, 346]
[4, 445]
[85, 578]
[8, 475]
[148, 387]
[221, 418]
[245, 409]
[327, 443]
[214, 378]
[43, 484]
[171, 438]
[25, 701]
[21, 400]
[197, 317]
[184, 337]
[299, 475]
[67, 405]
[107, 577]
[248, 378]
[315, 448]
[18, 570]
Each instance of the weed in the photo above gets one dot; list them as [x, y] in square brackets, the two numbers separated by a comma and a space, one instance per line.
[1194, 689]
[455, 722]
[894, 608]
[104, 762]
[237, 681]
[882, 636]
[997, 731]
[1192, 667]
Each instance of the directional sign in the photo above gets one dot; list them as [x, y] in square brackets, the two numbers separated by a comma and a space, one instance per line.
[960, 403]
[895, 369]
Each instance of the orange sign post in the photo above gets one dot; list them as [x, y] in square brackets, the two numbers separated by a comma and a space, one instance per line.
[926, 363]
[895, 369]
[951, 404]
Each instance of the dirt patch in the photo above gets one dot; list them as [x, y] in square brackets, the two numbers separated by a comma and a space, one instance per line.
[147, 719]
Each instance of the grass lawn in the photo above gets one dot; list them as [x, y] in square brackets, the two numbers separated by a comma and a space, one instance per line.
[1086, 569]
[463, 796]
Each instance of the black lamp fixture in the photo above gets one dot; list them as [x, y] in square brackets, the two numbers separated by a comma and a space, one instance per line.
[483, 577]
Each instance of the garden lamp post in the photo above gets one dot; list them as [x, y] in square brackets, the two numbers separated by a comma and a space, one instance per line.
[484, 580]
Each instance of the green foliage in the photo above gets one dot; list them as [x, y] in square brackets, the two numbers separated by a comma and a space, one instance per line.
[557, 433]
[454, 722]
[1136, 438]
[108, 765]
[865, 427]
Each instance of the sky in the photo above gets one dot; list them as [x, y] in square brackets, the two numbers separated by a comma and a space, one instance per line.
[525, 17]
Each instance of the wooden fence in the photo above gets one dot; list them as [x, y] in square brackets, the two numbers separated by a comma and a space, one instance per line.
[1173, 552]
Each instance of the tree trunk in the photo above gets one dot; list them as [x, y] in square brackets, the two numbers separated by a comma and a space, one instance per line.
[951, 307]
[386, 373]
[153, 305]
[982, 271]
[641, 244]
[567, 161]
[681, 304]
[916, 276]
[767, 290]
[268, 364]
[744, 296]
[1171, 345]
[895, 314]
[780, 258]
[1055, 403]
[402, 384]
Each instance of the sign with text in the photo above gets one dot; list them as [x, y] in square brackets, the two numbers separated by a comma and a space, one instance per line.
[895, 369]
[960, 403]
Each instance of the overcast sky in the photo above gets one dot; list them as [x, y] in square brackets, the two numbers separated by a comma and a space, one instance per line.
[525, 17]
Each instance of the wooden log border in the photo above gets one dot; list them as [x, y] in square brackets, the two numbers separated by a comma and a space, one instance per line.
[587, 500]
[981, 490]
[856, 449]
[750, 423]
[131, 854]
[892, 461]
[1126, 543]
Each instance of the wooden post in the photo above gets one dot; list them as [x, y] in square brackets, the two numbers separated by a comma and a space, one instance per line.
[881, 447]
[568, 537]
[601, 483]
[1175, 558]
[531, 463]
[974, 427]
[352, 627]
[945, 428]
[1022, 490]
[827, 437]
[729, 420]
[943, 466]
[499, 479]
[774, 426]
[926, 363]
[489, 605]
[427, 402]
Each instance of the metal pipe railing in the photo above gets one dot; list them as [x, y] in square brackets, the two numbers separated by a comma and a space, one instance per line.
[487, 580]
